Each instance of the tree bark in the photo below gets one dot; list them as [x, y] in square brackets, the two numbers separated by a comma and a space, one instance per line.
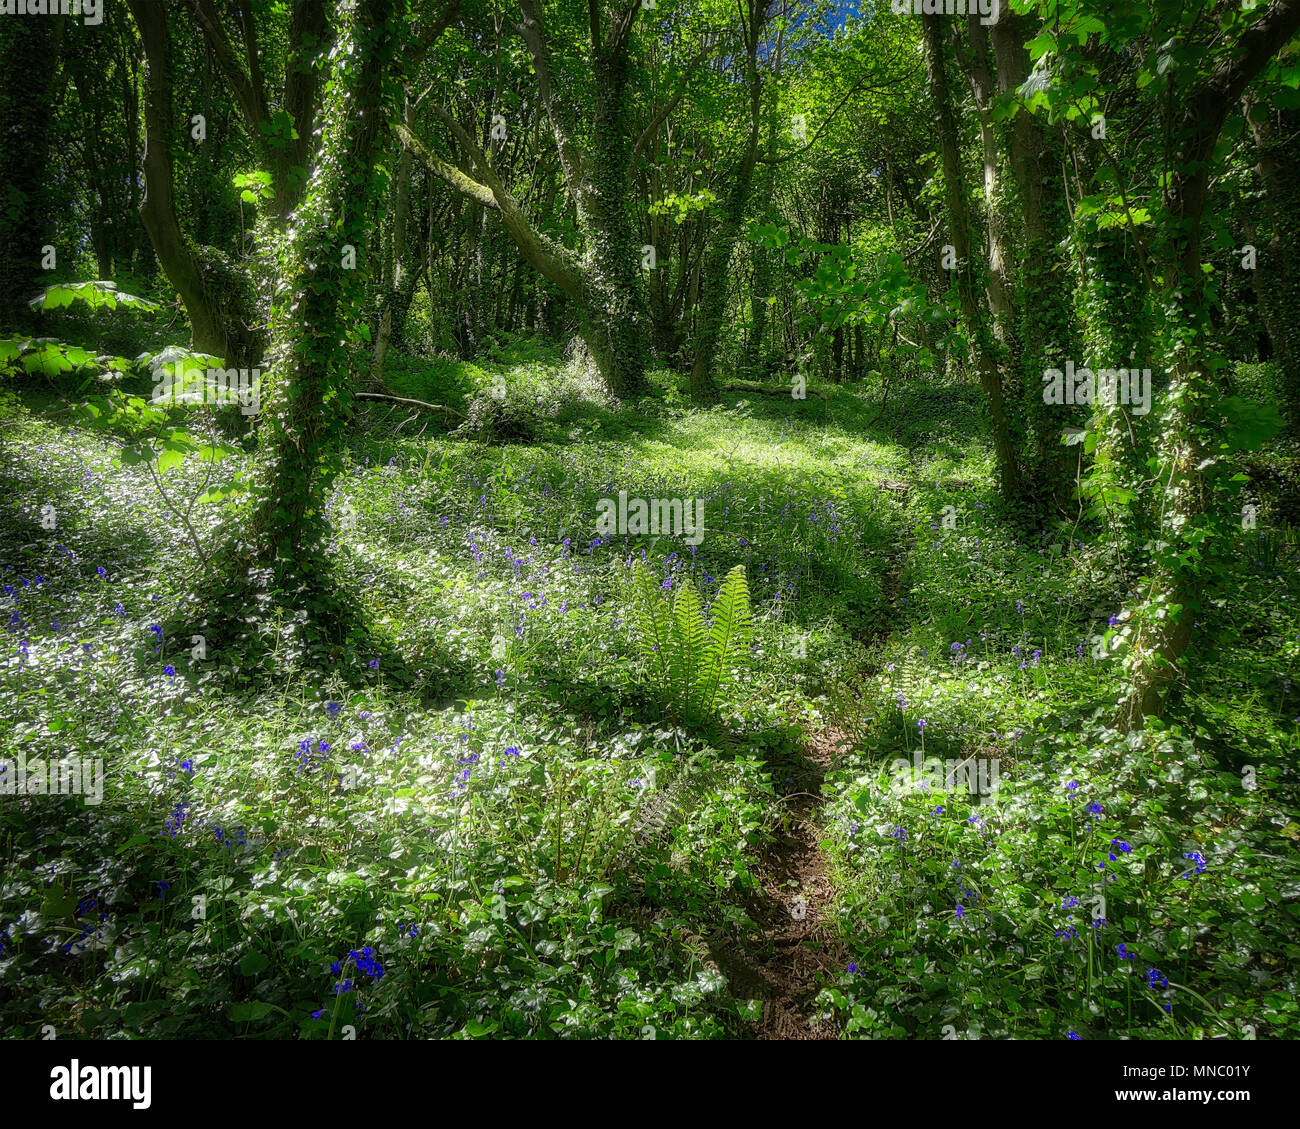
[1167, 618]
[306, 395]
[158, 207]
[983, 347]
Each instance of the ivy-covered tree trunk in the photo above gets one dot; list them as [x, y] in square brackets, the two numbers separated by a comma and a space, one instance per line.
[757, 363]
[1191, 530]
[616, 319]
[1117, 335]
[979, 331]
[319, 301]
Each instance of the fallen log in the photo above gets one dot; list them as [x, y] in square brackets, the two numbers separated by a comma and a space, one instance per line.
[766, 389]
[407, 400]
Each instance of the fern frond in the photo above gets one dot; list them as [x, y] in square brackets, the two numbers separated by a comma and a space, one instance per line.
[731, 629]
[654, 625]
[689, 637]
[669, 807]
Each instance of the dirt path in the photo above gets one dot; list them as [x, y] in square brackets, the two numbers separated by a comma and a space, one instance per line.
[797, 950]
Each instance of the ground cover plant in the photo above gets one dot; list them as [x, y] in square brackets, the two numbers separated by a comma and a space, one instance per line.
[765, 521]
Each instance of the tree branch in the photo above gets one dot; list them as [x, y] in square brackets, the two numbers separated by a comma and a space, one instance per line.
[407, 400]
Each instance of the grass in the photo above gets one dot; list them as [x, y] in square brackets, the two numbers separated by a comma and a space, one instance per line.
[473, 818]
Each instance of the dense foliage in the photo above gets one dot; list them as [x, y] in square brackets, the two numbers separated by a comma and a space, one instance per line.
[650, 520]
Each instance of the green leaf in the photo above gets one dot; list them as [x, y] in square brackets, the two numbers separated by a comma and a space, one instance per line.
[253, 963]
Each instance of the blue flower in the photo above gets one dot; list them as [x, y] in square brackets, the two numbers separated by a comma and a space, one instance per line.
[318, 1014]
[1072, 1036]
[1124, 954]
[1155, 976]
[169, 670]
[332, 708]
[960, 912]
[1199, 860]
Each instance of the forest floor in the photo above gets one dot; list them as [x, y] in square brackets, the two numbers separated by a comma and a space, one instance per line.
[465, 813]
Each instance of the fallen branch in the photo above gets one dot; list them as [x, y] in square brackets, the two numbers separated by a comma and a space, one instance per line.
[766, 389]
[407, 400]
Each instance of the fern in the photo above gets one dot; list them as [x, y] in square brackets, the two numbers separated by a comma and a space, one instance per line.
[670, 806]
[686, 655]
[731, 628]
[687, 660]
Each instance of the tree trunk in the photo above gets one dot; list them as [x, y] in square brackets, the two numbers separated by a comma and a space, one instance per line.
[1166, 619]
[158, 207]
[983, 346]
[398, 277]
[1044, 327]
[306, 394]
